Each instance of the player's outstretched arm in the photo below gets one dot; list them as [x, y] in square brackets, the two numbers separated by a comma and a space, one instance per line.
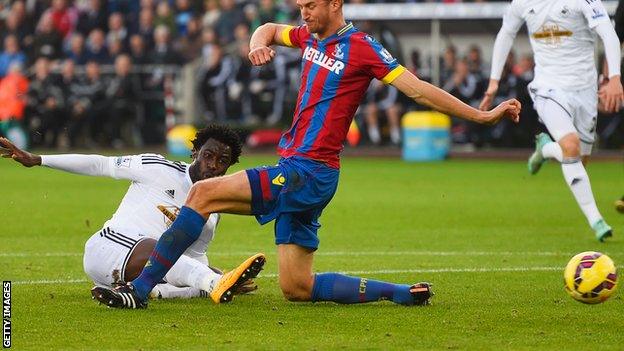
[9, 150]
[438, 99]
[262, 38]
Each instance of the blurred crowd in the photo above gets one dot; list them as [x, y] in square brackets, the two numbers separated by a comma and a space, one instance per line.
[89, 73]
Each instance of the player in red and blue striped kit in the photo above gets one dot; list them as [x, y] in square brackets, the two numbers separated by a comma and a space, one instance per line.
[338, 63]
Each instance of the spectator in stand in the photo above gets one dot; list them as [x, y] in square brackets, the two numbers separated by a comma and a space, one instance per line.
[216, 71]
[13, 89]
[73, 109]
[116, 30]
[14, 26]
[96, 48]
[268, 12]
[500, 134]
[190, 45]
[64, 18]
[77, 51]
[137, 50]
[231, 16]
[163, 53]
[382, 99]
[211, 13]
[47, 42]
[164, 17]
[11, 54]
[474, 59]
[90, 104]
[449, 60]
[115, 48]
[145, 27]
[238, 85]
[463, 85]
[93, 16]
[184, 13]
[122, 92]
[45, 106]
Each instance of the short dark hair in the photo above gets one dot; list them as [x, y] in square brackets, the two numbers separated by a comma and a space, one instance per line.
[222, 134]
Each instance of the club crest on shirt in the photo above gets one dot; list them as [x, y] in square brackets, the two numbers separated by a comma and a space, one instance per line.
[565, 11]
[552, 34]
[170, 212]
[338, 51]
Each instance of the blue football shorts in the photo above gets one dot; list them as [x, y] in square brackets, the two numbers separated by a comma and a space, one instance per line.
[294, 193]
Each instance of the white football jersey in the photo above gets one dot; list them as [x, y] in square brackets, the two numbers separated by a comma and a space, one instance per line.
[562, 39]
[158, 190]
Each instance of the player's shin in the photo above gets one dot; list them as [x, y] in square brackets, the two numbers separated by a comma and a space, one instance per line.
[168, 291]
[578, 181]
[345, 289]
[171, 245]
[189, 272]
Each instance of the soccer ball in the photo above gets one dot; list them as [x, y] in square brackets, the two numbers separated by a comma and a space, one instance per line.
[590, 277]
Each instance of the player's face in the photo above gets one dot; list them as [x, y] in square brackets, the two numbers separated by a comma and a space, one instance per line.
[212, 160]
[315, 13]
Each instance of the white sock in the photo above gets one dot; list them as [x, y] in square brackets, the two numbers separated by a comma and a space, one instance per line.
[395, 135]
[552, 150]
[373, 134]
[168, 291]
[189, 272]
[577, 179]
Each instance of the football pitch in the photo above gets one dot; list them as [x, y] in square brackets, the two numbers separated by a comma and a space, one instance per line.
[492, 239]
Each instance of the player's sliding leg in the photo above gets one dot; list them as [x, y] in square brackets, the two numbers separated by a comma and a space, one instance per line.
[186, 272]
[230, 194]
[560, 125]
[168, 291]
[298, 283]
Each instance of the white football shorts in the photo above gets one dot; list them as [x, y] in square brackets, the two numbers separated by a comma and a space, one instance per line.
[106, 255]
[568, 111]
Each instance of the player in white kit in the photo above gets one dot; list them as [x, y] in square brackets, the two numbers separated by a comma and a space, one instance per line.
[564, 91]
[117, 253]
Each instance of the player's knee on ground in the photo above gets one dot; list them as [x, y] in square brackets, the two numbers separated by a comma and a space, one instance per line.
[570, 145]
[297, 290]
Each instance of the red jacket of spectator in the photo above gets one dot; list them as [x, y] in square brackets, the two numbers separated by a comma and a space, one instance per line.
[64, 20]
[13, 89]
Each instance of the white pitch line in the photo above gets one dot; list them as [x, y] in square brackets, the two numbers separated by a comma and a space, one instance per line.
[332, 253]
[383, 271]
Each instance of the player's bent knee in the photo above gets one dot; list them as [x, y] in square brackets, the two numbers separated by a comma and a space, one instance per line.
[296, 291]
[570, 145]
[296, 294]
[202, 193]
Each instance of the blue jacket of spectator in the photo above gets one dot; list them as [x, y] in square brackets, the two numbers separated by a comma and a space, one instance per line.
[7, 59]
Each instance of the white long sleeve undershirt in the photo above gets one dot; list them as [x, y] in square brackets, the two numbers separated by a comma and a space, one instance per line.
[92, 165]
[502, 46]
[611, 45]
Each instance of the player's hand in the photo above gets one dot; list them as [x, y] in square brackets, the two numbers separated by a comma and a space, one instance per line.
[490, 93]
[8, 150]
[261, 55]
[611, 95]
[507, 109]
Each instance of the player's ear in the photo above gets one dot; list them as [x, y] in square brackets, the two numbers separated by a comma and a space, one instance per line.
[335, 4]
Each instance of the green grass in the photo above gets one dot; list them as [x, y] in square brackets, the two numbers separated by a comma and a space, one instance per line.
[401, 222]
